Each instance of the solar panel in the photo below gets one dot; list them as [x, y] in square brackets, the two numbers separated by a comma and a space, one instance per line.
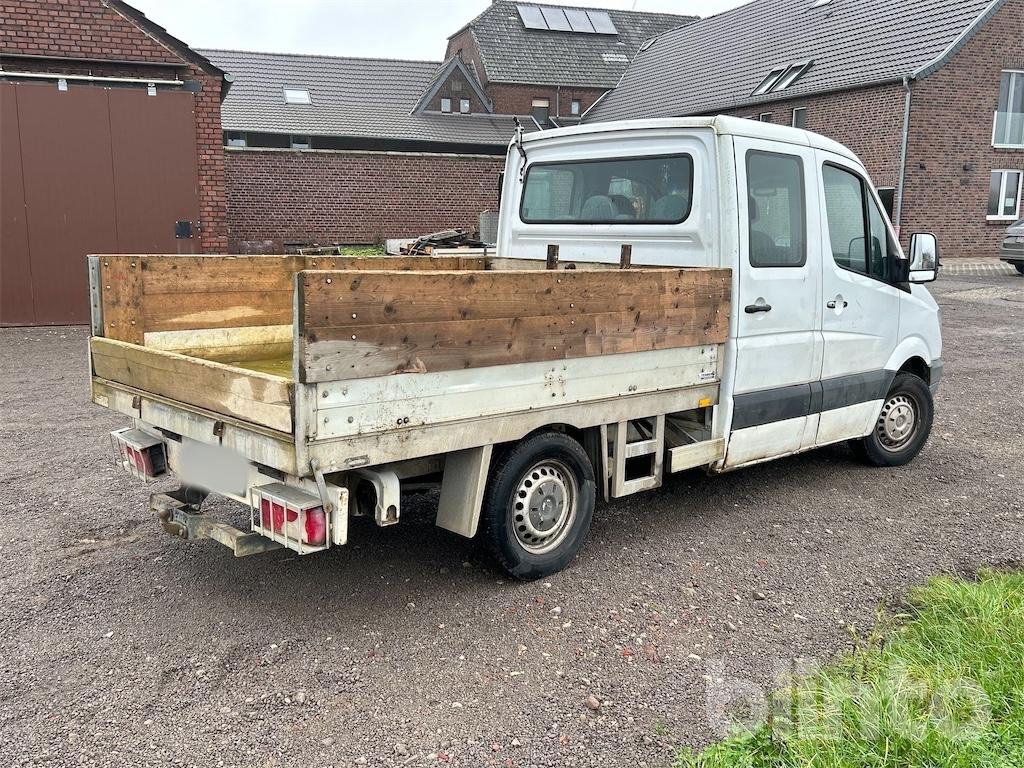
[602, 22]
[531, 16]
[555, 17]
[578, 20]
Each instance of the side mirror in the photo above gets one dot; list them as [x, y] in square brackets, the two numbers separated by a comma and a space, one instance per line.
[924, 258]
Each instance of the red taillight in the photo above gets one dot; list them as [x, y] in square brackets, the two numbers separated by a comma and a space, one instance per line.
[316, 526]
[278, 517]
[290, 515]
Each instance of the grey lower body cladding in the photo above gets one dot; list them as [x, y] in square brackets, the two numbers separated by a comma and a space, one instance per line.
[752, 409]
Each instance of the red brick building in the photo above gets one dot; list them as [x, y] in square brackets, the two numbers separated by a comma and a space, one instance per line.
[111, 141]
[929, 94]
[324, 150]
[553, 62]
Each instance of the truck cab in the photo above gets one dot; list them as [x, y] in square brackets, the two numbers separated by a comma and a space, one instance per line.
[827, 311]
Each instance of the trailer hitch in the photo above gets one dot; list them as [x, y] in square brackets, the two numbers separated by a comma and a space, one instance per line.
[178, 519]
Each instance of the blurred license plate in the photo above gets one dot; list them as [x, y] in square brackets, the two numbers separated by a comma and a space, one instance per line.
[213, 468]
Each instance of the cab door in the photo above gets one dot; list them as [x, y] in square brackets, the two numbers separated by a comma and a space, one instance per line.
[777, 311]
[861, 304]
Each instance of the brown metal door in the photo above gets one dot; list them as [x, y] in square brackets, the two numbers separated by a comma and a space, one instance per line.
[98, 170]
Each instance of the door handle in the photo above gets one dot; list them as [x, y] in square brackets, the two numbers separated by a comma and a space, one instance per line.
[752, 308]
[832, 304]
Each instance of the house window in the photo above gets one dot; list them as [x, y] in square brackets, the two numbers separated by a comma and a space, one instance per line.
[235, 139]
[297, 96]
[541, 110]
[574, 107]
[800, 117]
[765, 117]
[456, 86]
[446, 105]
[299, 142]
[1008, 130]
[776, 210]
[464, 106]
[1004, 196]
[888, 197]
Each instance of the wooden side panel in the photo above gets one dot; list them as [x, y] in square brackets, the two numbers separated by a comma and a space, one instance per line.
[152, 293]
[248, 395]
[360, 324]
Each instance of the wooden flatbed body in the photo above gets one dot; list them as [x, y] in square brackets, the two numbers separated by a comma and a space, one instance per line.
[300, 361]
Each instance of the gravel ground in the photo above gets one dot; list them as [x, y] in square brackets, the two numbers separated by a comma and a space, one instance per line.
[122, 646]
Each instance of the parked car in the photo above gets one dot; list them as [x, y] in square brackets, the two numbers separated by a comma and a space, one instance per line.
[1012, 250]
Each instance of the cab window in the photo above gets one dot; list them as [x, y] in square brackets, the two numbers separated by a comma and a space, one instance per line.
[776, 210]
[857, 233]
[639, 190]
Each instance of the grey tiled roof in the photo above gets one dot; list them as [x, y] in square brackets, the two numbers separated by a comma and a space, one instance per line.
[716, 63]
[511, 53]
[359, 98]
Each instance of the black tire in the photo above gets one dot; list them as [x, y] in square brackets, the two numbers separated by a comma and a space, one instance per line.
[882, 448]
[545, 466]
[1019, 266]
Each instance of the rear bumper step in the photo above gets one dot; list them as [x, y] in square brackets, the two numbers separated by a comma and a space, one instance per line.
[178, 519]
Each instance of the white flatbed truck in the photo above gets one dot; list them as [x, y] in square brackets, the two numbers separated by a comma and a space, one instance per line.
[664, 295]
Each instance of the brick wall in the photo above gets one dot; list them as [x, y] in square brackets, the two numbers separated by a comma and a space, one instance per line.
[87, 32]
[279, 196]
[518, 99]
[869, 121]
[950, 155]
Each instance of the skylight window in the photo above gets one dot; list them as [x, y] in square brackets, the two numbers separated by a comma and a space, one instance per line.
[819, 3]
[769, 82]
[566, 19]
[780, 79]
[297, 96]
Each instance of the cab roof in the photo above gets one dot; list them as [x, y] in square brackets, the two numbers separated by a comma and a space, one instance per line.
[721, 125]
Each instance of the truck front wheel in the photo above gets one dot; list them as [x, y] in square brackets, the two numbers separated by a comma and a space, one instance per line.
[903, 425]
[538, 505]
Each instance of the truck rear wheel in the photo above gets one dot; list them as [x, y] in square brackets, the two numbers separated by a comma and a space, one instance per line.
[538, 505]
[903, 425]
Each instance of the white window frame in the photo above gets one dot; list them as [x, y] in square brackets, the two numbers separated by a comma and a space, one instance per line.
[575, 106]
[237, 139]
[464, 106]
[446, 102]
[1016, 77]
[300, 145]
[764, 117]
[803, 110]
[291, 96]
[1004, 174]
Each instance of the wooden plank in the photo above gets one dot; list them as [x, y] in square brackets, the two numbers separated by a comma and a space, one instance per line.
[228, 309]
[218, 274]
[247, 395]
[226, 344]
[396, 263]
[342, 301]
[121, 277]
[386, 323]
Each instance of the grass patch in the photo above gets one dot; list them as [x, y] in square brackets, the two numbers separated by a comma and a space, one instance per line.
[941, 686]
[368, 250]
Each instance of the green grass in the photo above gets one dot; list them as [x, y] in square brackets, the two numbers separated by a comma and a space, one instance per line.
[941, 686]
[370, 250]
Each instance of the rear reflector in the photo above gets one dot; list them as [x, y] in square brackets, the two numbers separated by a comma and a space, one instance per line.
[139, 453]
[289, 516]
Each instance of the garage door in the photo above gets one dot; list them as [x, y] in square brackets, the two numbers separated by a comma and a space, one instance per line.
[87, 170]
